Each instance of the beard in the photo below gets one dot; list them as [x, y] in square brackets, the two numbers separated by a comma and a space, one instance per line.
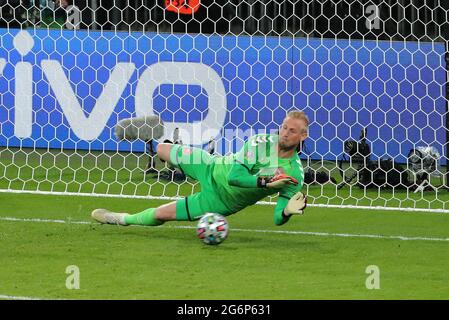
[285, 147]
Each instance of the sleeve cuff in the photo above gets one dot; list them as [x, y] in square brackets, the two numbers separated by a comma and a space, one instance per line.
[261, 182]
[285, 216]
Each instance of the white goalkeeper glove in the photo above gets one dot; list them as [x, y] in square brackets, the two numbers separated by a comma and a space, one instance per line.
[296, 205]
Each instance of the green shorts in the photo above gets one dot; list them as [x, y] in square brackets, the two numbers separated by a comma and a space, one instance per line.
[197, 164]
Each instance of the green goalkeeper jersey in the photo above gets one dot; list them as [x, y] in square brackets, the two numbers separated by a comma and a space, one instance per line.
[235, 176]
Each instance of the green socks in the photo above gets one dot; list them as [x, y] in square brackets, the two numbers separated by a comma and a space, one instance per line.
[144, 218]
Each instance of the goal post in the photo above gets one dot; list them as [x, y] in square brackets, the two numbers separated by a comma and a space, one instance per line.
[371, 75]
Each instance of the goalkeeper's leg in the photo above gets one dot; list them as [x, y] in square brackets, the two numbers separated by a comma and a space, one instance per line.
[163, 151]
[153, 216]
[188, 209]
[194, 163]
[148, 217]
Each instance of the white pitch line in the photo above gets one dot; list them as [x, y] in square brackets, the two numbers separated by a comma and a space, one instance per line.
[8, 297]
[329, 234]
[42, 220]
[166, 198]
[310, 233]
[2, 296]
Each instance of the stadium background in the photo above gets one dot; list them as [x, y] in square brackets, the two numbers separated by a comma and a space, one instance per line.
[395, 89]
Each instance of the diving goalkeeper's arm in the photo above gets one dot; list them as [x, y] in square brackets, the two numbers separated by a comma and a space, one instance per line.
[239, 176]
[286, 207]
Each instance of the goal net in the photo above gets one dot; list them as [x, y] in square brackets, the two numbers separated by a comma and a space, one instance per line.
[371, 76]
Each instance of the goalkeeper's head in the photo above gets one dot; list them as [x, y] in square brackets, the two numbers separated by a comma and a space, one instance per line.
[294, 130]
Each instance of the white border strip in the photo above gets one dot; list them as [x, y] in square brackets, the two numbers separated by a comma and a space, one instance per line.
[309, 233]
[333, 206]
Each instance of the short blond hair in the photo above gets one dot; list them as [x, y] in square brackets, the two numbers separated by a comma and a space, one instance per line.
[297, 114]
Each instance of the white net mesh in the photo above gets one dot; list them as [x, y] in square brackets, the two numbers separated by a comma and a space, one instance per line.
[371, 76]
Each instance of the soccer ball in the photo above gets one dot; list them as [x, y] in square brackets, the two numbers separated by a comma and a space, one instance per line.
[212, 228]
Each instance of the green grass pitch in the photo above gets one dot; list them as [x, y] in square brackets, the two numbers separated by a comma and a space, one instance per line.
[321, 255]
[325, 255]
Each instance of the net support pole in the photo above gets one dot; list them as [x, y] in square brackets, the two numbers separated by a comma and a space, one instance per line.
[447, 116]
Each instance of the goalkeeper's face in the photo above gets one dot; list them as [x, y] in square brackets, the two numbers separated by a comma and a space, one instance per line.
[292, 132]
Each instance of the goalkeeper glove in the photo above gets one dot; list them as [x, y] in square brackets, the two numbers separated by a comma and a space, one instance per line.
[278, 181]
[296, 205]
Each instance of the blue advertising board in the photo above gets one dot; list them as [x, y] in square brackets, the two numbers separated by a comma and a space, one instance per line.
[68, 89]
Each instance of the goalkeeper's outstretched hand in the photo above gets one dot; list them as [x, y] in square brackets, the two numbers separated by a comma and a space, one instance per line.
[296, 205]
[281, 180]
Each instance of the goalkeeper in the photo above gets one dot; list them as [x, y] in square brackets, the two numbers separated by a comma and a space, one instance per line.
[267, 164]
